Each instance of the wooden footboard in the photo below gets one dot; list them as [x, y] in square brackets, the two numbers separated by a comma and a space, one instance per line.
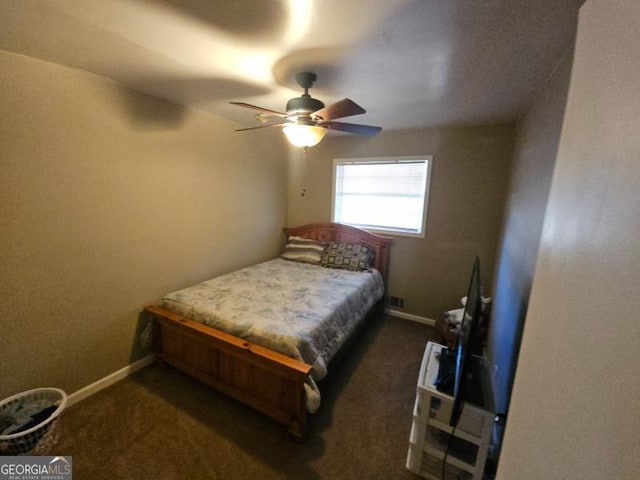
[261, 378]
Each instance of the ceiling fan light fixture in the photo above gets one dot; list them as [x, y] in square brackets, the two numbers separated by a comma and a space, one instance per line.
[304, 135]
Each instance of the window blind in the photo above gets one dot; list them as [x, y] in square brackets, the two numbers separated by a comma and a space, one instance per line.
[381, 195]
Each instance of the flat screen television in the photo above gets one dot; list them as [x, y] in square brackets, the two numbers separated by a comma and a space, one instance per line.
[468, 386]
[460, 371]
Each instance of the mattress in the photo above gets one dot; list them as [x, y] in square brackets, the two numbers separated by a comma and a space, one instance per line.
[301, 310]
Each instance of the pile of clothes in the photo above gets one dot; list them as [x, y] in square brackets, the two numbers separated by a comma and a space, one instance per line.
[21, 416]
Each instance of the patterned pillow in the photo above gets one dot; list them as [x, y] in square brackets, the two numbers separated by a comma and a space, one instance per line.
[349, 256]
[303, 250]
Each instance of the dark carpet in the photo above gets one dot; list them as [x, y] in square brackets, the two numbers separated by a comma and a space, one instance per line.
[161, 424]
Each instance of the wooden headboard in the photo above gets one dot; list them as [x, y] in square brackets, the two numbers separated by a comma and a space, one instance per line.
[338, 232]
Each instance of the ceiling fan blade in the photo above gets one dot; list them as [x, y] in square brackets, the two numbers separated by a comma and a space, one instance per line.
[260, 109]
[343, 108]
[366, 130]
[277, 124]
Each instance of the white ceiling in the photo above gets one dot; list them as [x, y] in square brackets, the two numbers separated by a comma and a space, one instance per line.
[410, 63]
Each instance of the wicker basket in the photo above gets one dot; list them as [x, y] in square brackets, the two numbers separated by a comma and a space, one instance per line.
[39, 439]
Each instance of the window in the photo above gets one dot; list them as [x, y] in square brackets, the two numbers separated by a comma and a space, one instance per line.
[382, 194]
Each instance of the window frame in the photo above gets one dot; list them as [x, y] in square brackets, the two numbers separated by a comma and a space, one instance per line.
[428, 159]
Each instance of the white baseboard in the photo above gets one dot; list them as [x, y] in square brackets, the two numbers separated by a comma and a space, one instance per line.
[409, 316]
[95, 387]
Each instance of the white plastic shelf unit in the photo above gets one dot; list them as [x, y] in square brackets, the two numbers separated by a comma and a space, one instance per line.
[430, 430]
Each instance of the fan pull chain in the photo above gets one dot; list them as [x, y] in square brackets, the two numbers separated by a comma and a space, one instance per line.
[304, 171]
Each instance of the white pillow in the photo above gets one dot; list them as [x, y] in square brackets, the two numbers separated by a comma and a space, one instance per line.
[303, 250]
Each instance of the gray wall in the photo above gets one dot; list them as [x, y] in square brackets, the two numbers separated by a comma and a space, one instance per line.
[538, 136]
[574, 408]
[109, 199]
[466, 203]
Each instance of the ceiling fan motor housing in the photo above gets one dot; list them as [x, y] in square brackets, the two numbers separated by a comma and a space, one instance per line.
[303, 105]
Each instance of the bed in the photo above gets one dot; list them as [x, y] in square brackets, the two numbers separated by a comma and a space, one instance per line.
[264, 334]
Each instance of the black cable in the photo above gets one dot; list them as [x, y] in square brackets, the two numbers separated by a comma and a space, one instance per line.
[446, 452]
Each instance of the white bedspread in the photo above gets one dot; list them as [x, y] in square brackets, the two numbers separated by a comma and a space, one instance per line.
[303, 311]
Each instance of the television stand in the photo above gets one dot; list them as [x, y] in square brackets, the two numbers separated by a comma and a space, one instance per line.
[430, 430]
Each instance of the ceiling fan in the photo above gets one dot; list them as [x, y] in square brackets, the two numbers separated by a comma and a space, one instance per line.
[307, 119]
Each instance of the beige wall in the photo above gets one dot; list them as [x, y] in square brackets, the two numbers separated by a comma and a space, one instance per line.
[110, 198]
[469, 176]
[574, 409]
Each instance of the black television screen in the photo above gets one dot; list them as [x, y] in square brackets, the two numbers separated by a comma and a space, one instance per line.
[466, 387]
